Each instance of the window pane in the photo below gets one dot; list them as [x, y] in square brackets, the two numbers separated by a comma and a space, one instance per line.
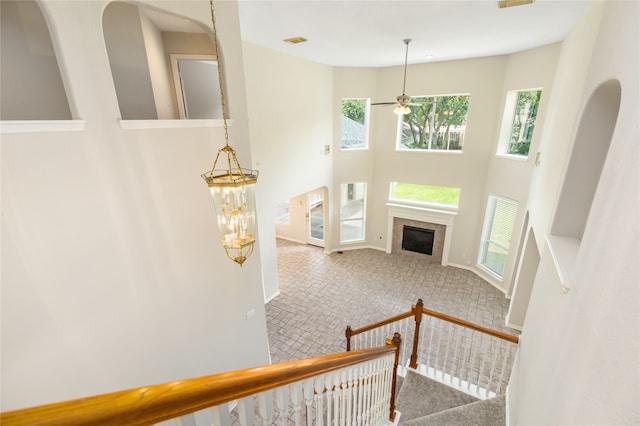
[352, 209]
[425, 193]
[524, 121]
[355, 120]
[282, 213]
[435, 123]
[496, 234]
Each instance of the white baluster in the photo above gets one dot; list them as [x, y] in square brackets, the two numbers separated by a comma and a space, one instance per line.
[245, 411]
[360, 390]
[221, 415]
[265, 407]
[307, 392]
[344, 395]
[282, 403]
[296, 401]
[319, 397]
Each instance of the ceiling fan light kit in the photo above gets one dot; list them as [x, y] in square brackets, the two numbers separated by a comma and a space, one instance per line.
[403, 101]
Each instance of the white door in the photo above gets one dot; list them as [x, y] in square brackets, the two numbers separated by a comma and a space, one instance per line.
[315, 219]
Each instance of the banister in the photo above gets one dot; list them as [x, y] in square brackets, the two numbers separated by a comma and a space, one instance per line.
[350, 332]
[152, 404]
[495, 333]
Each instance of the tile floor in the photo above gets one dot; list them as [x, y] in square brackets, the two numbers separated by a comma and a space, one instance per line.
[321, 294]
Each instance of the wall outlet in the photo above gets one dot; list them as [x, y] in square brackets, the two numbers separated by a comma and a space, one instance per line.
[251, 313]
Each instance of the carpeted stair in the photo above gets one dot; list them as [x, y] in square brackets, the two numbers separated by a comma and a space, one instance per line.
[425, 402]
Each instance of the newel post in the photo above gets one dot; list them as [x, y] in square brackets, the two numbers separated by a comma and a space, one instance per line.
[347, 333]
[417, 313]
[396, 341]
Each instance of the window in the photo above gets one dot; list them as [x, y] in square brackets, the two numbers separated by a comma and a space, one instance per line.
[282, 213]
[520, 112]
[352, 207]
[496, 233]
[424, 194]
[354, 132]
[435, 123]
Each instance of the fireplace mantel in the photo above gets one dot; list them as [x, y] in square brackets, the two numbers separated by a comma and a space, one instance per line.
[421, 214]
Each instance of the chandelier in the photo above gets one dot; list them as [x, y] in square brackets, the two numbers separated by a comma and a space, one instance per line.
[232, 189]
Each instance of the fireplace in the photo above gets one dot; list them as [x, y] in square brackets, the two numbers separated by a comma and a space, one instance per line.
[418, 240]
[438, 222]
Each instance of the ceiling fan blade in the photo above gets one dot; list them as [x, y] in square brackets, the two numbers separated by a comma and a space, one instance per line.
[384, 103]
[415, 104]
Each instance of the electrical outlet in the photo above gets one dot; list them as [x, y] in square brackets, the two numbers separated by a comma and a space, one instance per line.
[251, 313]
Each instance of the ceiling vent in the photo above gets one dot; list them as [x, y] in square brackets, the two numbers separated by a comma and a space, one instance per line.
[295, 40]
[511, 3]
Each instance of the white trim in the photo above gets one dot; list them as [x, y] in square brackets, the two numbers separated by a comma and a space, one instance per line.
[171, 124]
[564, 251]
[273, 296]
[41, 126]
[422, 214]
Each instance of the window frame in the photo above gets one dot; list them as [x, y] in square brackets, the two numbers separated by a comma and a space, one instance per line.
[419, 203]
[486, 235]
[401, 120]
[363, 219]
[507, 125]
[366, 124]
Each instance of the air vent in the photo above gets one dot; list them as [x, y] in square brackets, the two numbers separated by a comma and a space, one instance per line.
[295, 40]
[511, 3]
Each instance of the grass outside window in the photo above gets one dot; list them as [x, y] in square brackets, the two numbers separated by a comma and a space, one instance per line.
[425, 194]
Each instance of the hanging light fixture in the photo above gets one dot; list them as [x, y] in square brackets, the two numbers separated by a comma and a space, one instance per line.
[232, 189]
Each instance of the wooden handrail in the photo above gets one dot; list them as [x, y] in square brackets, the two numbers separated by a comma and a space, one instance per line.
[152, 404]
[348, 333]
[495, 333]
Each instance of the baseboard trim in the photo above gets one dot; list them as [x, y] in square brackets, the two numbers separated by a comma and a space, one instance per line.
[273, 296]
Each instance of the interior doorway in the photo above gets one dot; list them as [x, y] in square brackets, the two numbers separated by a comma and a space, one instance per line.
[315, 218]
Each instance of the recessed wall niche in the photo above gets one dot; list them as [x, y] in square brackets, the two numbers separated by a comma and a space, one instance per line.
[30, 79]
[588, 155]
[141, 42]
[590, 148]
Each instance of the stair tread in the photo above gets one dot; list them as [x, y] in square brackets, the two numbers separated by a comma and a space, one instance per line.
[420, 396]
[488, 412]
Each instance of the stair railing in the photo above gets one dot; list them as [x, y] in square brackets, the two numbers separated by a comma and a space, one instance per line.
[345, 388]
[459, 353]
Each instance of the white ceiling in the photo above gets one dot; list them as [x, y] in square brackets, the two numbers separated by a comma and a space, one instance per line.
[361, 33]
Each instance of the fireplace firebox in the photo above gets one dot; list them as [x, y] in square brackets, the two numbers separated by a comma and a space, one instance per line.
[418, 240]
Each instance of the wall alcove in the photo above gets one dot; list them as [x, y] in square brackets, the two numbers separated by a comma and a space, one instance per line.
[30, 80]
[590, 148]
[146, 49]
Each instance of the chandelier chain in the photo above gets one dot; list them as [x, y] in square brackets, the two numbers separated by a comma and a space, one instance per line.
[220, 83]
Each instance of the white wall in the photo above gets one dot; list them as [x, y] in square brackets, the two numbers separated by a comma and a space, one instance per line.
[112, 272]
[290, 108]
[579, 350]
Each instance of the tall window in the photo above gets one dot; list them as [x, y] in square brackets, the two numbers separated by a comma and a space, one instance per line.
[424, 194]
[352, 208]
[354, 132]
[520, 112]
[282, 213]
[435, 123]
[496, 233]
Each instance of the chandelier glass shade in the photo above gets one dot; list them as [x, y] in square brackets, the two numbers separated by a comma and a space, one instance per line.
[233, 188]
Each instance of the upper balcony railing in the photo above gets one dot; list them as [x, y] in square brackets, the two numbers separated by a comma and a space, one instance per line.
[469, 357]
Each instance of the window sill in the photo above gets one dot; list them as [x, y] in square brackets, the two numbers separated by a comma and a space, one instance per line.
[430, 151]
[171, 124]
[523, 158]
[564, 251]
[41, 126]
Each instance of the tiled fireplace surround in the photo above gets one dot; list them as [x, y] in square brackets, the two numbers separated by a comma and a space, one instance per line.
[438, 220]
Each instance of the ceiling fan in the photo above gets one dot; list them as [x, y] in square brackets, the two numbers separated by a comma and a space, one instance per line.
[403, 101]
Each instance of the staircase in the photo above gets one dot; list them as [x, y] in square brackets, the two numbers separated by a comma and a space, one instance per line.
[422, 401]
[446, 371]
